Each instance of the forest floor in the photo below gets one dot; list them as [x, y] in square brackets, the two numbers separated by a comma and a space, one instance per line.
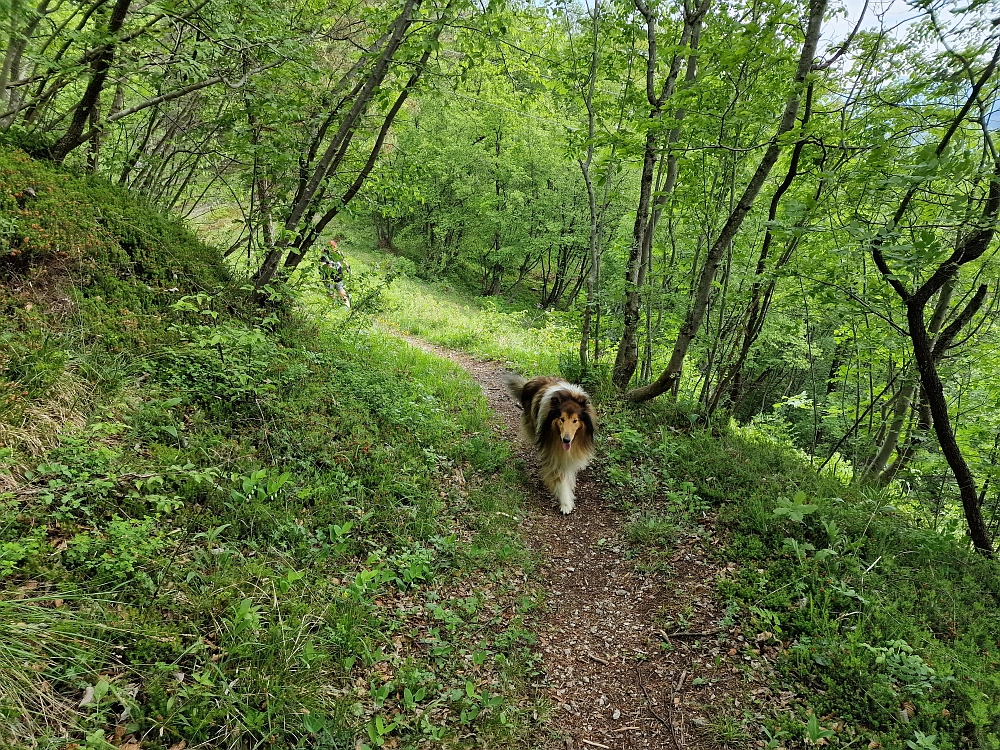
[636, 652]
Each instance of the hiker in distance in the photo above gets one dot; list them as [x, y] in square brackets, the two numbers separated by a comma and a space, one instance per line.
[332, 268]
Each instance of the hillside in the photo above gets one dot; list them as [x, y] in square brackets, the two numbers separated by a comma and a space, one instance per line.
[235, 526]
[225, 526]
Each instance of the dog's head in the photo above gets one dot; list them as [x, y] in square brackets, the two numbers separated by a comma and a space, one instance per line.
[571, 419]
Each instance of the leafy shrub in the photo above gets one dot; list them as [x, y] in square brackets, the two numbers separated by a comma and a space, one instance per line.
[121, 552]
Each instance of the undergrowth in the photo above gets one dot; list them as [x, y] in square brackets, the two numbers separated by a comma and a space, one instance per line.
[230, 527]
[238, 527]
[442, 312]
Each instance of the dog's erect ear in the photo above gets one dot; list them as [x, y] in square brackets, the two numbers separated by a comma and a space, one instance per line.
[556, 399]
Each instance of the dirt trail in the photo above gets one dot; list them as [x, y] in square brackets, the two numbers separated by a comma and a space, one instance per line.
[619, 671]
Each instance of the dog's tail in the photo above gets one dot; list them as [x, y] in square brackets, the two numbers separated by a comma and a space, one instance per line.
[514, 384]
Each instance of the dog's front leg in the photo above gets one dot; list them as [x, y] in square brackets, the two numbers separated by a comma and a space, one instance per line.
[563, 491]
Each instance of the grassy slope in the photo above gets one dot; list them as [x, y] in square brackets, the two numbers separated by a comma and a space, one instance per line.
[231, 530]
[445, 313]
[862, 614]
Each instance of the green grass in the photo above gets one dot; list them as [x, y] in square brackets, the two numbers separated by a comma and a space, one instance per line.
[868, 609]
[248, 528]
[241, 529]
[442, 312]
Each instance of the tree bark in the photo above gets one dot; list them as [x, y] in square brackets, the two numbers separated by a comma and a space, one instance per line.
[595, 257]
[934, 390]
[762, 293]
[99, 70]
[316, 174]
[627, 358]
[904, 398]
[18, 40]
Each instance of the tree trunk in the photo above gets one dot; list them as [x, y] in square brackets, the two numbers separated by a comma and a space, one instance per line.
[762, 293]
[627, 358]
[920, 425]
[904, 398]
[934, 389]
[99, 70]
[299, 222]
[595, 257]
[10, 67]
[313, 184]
[696, 312]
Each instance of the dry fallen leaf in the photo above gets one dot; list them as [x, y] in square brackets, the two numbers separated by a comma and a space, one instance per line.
[88, 696]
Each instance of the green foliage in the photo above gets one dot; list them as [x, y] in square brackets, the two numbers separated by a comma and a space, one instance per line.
[531, 340]
[795, 509]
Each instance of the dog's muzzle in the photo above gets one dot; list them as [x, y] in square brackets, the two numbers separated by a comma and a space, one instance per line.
[567, 442]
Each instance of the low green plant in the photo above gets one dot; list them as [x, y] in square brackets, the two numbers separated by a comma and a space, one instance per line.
[122, 552]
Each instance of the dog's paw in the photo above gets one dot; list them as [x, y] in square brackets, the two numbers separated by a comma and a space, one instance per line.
[566, 507]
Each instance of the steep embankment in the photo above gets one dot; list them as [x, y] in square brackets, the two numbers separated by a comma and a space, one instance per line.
[222, 526]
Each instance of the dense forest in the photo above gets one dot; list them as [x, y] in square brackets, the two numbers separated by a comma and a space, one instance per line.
[766, 216]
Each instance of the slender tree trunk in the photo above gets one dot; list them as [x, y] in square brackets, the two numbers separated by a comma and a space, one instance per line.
[593, 245]
[13, 40]
[696, 312]
[10, 67]
[904, 398]
[94, 154]
[920, 426]
[627, 358]
[99, 70]
[933, 387]
[298, 223]
[761, 291]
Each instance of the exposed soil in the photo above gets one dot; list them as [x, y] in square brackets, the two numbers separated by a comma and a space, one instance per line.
[620, 671]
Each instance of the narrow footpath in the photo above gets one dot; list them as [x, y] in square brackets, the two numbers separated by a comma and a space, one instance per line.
[620, 672]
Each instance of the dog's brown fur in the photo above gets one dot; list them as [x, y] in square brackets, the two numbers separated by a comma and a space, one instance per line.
[557, 414]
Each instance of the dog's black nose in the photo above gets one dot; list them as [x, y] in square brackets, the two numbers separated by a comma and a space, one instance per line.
[567, 440]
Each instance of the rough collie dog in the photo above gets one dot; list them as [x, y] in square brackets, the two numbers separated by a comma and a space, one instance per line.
[559, 419]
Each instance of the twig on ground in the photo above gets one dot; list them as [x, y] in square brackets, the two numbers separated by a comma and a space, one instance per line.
[678, 742]
[595, 744]
[680, 682]
[595, 657]
[649, 705]
[685, 634]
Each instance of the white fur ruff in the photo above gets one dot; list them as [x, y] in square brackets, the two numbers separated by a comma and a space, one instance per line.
[559, 469]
